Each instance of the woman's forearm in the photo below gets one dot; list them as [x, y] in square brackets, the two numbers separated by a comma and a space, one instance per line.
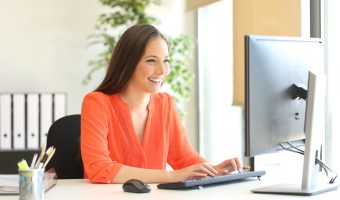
[145, 175]
[160, 176]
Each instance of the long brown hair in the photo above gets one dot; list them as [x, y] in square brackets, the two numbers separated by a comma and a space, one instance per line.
[126, 55]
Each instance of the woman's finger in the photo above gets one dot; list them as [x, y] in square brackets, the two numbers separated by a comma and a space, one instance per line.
[239, 164]
[233, 164]
[203, 168]
[210, 167]
[246, 167]
[199, 175]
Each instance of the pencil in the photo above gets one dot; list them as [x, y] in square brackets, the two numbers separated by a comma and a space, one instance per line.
[49, 158]
[42, 153]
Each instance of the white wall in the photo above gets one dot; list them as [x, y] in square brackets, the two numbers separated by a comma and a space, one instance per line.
[43, 46]
[221, 123]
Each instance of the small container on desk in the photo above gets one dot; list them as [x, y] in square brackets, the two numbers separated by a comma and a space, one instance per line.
[31, 184]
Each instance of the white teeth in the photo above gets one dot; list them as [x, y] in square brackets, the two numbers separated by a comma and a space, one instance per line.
[156, 80]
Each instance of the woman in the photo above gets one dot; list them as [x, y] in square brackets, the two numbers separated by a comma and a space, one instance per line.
[131, 130]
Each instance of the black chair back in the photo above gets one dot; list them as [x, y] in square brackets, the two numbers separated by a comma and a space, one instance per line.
[64, 135]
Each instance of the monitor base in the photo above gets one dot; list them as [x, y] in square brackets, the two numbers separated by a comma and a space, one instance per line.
[291, 189]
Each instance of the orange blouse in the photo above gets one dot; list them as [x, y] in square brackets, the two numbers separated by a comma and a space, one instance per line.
[108, 140]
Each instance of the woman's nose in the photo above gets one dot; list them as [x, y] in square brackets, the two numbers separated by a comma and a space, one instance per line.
[162, 68]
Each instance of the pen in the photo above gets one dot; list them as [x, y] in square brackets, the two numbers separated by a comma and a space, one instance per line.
[22, 164]
[45, 157]
[35, 156]
[43, 148]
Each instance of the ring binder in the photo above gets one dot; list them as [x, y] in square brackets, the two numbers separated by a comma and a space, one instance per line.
[5, 122]
[32, 121]
[19, 135]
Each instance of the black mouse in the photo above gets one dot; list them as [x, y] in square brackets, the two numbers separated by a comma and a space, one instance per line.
[135, 186]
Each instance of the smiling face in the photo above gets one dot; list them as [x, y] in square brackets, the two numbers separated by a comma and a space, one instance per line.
[152, 68]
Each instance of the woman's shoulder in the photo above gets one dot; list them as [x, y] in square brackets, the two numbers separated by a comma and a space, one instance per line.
[97, 98]
[162, 99]
[162, 96]
[99, 101]
[97, 95]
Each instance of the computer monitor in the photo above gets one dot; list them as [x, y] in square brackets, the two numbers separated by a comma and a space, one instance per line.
[280, 86]
[273, 65]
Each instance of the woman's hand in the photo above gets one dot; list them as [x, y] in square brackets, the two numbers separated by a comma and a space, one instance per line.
[206, 169]
[194, 171]
[229, 166]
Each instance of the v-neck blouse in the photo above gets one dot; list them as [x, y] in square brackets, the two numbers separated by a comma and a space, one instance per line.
[108, 139]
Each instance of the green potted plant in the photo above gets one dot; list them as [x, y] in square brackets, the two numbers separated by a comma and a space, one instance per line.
[125, 13]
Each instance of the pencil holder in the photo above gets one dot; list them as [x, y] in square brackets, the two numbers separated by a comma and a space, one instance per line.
[31, 184]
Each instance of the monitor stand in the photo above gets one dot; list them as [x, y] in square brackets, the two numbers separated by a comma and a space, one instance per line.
[313, 127]
[292, 189]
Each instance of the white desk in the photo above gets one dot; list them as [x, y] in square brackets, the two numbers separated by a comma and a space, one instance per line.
[82, 189]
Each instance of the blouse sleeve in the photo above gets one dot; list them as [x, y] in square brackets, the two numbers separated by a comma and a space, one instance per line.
[181, 154]
[99, 167]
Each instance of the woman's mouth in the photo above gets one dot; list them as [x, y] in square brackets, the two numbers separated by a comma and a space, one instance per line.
[155, 80]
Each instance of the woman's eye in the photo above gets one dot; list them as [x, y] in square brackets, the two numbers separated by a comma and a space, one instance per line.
[151, 60]
[167, 61]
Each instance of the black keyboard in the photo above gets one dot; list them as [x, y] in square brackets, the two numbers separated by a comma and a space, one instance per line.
[198, 183]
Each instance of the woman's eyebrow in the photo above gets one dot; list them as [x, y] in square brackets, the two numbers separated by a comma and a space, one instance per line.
[151, 56]
[156, 57]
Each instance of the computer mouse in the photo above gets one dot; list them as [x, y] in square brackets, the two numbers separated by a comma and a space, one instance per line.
[136, 186]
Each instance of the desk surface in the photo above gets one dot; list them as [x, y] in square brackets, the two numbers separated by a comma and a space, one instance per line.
[82, 189]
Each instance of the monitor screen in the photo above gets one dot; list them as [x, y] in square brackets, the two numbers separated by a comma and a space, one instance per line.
[275, 110]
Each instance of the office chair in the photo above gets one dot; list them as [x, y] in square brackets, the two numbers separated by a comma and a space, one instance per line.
[64, 135]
